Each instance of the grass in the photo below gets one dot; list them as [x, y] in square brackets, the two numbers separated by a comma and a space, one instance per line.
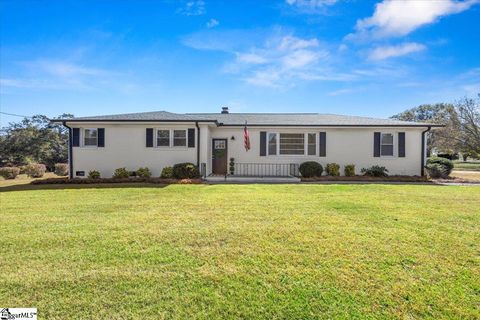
[472, 165]
[466, 175]
[23, 179]
[243, 251]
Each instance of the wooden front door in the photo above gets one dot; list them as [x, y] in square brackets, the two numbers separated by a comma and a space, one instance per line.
[219, 156]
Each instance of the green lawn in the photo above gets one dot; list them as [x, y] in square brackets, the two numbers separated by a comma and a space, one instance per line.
[243, 251]
[468, 165]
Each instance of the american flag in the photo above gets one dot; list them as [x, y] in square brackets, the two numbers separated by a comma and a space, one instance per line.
[246, 138]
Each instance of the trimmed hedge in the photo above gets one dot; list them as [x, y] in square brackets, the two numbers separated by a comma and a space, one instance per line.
[61, 169]
[35, 170]
[375, 171]
[93, 174]
[9, 172]
[310, 169]
[167, 173]
[185, 170]
[444, 162]
[121, 173]
[349, 170]
[144, 172]
[333, 169]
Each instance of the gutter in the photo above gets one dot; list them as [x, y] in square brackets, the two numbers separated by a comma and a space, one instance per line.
[198, 144]
[70, 150]
[423, 150]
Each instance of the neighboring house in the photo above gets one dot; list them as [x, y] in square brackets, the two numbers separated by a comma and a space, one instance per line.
[279, 142]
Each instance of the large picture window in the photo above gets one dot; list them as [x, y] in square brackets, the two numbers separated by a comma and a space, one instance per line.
[90, 137]
[386, 145]
[292, 143]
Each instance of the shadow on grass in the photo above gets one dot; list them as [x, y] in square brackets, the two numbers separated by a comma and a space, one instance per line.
[22, 187]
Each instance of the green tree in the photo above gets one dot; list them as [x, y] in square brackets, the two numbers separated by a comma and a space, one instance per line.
[34, 139]
[439, 113]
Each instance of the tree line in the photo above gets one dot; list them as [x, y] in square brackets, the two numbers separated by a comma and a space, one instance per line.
[38, 140]
[461, 133]
[34, 140]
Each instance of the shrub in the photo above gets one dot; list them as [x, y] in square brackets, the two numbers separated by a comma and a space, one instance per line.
[9, 172]
[449, 156]
[121, 173]
[375, 171]
[93, 174]
[447, 164]
[310, 169]
[35, 170]
[436, 170]
[167, 173]
[333, 169]
[144, 172]
[349, 170]
[61, 169]
[185, 171]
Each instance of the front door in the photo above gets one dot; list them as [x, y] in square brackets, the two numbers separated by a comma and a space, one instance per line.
[219, 156]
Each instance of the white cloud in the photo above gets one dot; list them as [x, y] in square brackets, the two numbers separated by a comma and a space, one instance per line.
[251, 58]
[281, 61]
[385, 52]
[394, 18]
[311, 6]
[212, 23]
[59, 74]
[193, 8]
[66, 69]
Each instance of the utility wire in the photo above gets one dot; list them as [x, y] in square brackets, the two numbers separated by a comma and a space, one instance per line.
[15, 115]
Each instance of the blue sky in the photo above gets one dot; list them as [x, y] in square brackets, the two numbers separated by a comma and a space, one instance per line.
[373, 58]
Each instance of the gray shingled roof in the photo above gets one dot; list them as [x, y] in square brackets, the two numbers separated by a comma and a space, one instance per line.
[255, 119]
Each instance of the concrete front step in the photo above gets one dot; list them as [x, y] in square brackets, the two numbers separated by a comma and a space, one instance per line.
[237, 179]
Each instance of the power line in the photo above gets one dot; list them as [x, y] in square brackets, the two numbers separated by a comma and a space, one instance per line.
[15, 115]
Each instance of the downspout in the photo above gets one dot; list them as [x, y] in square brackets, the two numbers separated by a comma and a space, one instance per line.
[424, 151]
[70, 150]
[198, 144]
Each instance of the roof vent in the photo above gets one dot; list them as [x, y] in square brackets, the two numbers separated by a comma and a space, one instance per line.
[224, 110]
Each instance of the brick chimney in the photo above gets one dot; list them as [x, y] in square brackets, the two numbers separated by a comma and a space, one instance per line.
[224, 110]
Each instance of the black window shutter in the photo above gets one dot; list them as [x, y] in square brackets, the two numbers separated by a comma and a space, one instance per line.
[263, 143]
[376, 144]
[322, 144]
[76, 137]
[101, 137]
[149, 137]
[401, 144]
[191, 138]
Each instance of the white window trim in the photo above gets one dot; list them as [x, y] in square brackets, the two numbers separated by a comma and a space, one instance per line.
[82, 138]
[305, 144]
[170, 143]
[394, 145]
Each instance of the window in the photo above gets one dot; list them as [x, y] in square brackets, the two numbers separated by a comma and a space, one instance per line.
[292, 143]
[90, 137]
[171, 138]
[219, 144]
[386, 144]
[179, 138]
[312, 144]
[163, 138]
[272, 143]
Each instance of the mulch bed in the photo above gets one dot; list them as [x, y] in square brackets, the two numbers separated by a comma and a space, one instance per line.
[114, 180]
